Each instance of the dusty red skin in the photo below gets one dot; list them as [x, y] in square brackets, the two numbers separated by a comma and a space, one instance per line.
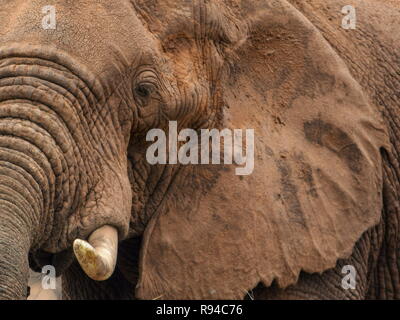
[322, 101]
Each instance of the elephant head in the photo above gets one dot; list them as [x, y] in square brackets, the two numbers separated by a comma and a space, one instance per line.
[77, 102]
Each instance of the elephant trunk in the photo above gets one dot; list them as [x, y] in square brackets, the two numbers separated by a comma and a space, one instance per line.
[63, 170]
[22, 204]
[15, 243]
[28, 172]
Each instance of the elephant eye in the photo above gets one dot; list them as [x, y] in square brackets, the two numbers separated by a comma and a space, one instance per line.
[145, 88]
[143, 91]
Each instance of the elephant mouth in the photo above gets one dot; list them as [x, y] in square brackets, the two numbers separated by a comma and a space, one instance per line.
[97, 255]
[61, 261]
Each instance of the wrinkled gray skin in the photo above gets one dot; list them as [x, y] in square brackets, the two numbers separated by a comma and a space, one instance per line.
[71, 102]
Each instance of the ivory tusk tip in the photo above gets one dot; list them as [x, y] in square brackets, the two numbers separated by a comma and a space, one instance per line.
[82, 248]
[98, 255]
[89, 260]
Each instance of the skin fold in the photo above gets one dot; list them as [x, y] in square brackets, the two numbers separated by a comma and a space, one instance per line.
[77, 102]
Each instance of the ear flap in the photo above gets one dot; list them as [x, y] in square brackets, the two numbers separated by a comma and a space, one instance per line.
[317, 182]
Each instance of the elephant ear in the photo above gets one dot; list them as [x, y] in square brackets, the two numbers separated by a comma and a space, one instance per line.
[316, 185]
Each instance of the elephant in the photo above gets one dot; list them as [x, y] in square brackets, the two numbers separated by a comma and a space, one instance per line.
[79, 94]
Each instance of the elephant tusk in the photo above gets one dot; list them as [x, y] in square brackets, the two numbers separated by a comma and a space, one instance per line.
[98, 255]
